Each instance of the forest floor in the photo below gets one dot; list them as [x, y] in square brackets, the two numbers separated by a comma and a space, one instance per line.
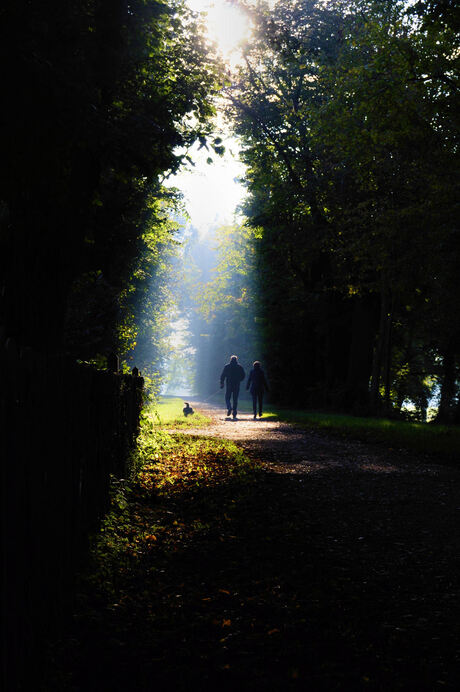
[306, 563]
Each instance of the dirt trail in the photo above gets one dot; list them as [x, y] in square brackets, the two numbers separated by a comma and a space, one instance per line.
[284, 448]
[334, 568]
[367, 539]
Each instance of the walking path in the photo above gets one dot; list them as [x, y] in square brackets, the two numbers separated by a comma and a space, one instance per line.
[334, 568]
[284, 448]
[379, 548]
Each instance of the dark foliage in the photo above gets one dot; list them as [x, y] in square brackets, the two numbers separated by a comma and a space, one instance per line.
[100, 100]
[347, 114]
[66, 428]
[97, 97]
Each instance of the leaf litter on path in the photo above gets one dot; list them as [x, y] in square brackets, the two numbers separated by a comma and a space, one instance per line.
[328, 565]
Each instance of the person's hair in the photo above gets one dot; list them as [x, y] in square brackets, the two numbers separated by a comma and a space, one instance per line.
[233, 359]
[256, 364]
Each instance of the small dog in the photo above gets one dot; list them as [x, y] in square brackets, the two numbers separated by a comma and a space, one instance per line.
[188, 410]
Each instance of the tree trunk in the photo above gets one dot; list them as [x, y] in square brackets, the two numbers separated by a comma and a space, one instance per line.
[387, 361]
[456, 419]
[448, 389]
[379, 349]
[364, 326]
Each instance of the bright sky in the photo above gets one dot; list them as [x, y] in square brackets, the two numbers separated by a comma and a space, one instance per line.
[227, 25]
[211, 192]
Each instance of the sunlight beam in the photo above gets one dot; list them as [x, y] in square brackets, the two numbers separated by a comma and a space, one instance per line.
[227, 26]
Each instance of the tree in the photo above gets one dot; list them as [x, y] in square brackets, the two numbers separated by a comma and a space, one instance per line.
[221, 305]
[101, 100]
[345, 111]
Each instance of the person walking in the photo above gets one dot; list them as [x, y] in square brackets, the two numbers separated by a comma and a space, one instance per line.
[257, 384]
[233, 372]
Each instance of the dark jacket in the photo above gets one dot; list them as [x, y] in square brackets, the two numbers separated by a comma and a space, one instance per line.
[233, 373]
[256, 381]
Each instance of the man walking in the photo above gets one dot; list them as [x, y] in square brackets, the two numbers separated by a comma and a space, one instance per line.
[257, 384]
[234, 374]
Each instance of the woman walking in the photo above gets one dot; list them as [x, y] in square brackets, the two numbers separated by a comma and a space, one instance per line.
[257, 384]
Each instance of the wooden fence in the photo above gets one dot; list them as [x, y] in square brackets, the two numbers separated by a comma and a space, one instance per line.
[65, 428]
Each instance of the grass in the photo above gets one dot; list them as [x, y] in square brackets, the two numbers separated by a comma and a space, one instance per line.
[168, 467]
[420, 437]
[167, 412]
[427, 438]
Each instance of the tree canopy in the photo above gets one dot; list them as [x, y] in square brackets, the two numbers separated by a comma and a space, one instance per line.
[346, 112]
[343, 277]
[101, 100]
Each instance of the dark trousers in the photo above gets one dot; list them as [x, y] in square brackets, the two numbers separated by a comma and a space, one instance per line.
[257, 398]
[229, 393]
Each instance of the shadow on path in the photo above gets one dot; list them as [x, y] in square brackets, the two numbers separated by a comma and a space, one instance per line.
[331, 570]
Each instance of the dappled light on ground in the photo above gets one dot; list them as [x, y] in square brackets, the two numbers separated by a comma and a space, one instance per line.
[290, 449]
[278, 559]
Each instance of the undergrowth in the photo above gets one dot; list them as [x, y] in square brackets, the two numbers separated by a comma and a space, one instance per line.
[167, 469]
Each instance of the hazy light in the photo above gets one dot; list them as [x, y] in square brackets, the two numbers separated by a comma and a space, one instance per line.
[211, 191]
[227, 26]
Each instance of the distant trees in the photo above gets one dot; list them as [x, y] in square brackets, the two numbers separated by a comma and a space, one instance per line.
[100, 99]
[221, 303]
[348, 116]
[346, 111]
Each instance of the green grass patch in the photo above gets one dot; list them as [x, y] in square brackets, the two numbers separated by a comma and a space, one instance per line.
[167, 412]
[169, 470]
[427, 438]
[420, 437]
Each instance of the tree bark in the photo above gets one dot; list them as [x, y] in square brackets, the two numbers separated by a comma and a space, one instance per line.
[363, 330]
[448, 389]
[379, 348]
[387, 361]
